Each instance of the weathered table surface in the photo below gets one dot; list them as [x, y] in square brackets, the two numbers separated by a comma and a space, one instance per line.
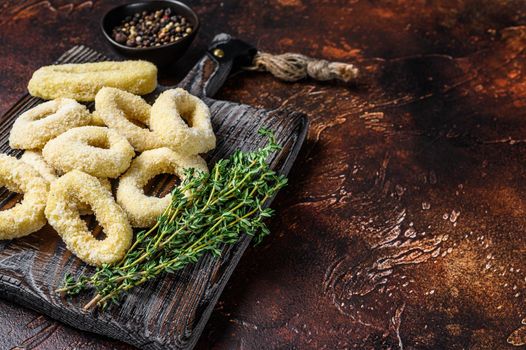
[404, 222]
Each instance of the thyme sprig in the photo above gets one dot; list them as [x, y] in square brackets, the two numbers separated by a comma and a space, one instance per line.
[207, 212]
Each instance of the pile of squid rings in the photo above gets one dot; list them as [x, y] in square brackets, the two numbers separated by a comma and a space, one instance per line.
[71, 154]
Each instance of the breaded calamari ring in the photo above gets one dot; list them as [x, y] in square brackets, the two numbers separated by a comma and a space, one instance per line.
[117, 108]
[62, 213]
[82, 81]
[35, 127]
[95, 150]
[144, 210]
[183, 122]
[27, 216]
[96, 120]
[37, 161]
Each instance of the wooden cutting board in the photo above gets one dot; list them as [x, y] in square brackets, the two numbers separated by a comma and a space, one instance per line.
[170, 312]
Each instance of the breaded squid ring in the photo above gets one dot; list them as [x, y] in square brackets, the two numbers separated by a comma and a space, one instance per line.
[144, 210]
[183, 122]
[95, 150]
[82, 81]
[27, 216]
[35, 127]
[117, 108]
[96, 120]
[62, 213]
[37, 161]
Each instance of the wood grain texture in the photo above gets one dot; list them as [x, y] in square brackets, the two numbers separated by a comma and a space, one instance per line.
[170, 312]
[436, 125]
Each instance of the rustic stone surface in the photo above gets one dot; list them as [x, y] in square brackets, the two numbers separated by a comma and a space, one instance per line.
[404, 222]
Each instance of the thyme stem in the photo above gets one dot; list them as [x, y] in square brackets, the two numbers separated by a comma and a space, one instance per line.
[208, 211]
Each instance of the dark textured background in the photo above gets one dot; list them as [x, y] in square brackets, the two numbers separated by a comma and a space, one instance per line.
[404, 222]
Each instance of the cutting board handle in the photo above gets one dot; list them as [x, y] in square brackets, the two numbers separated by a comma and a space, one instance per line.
[225, 56]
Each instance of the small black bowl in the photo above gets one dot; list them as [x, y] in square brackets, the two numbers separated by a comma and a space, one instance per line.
[160, 55]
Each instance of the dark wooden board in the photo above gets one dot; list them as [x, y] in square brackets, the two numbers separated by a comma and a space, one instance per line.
[168, 313]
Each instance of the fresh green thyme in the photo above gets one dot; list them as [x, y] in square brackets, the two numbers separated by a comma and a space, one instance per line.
[207, 211]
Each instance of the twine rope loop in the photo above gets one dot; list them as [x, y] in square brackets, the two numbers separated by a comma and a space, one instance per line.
[294, 67]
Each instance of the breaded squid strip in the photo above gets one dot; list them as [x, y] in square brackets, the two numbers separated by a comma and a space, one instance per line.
[62, 213]
[82, 81]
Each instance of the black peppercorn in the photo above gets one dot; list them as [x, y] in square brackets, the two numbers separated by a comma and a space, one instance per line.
[156, 28]
[120, 37]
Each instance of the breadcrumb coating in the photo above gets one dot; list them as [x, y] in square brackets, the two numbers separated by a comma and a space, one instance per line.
[117, 109]
[144, 210]
[96, 120]
[35, 127]
[27, 216]
[62, 213]
[82, 81]
[35, 159]
[96, 150]
[183, 122]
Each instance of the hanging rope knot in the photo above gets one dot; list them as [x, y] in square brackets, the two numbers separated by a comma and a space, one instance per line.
[293, 67]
